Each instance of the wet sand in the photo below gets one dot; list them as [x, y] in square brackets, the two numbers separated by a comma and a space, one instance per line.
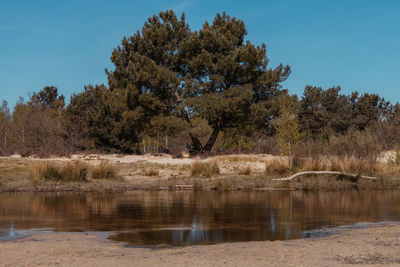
[373, 246]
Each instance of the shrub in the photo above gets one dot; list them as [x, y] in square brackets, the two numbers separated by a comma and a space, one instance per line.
[103, 170]
[206, 169]
[355, 144]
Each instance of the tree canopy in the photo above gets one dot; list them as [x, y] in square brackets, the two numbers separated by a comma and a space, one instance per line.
[170, 71]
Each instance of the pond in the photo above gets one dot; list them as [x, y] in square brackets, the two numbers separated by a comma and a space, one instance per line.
[148, 218]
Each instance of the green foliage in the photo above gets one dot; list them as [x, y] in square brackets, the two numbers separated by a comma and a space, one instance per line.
[168, 70]
[81, 117]
[323, 113]
[237, 139]
[49, 98]
[288, 128]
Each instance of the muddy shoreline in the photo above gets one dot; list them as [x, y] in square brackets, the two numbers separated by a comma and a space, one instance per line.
[374, 245]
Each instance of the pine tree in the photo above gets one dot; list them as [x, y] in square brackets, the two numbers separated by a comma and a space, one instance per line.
[214, 74]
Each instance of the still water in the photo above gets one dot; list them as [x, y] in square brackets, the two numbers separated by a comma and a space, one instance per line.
[185, 218]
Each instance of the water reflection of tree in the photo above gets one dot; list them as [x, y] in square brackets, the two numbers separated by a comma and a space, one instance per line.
[190, 216]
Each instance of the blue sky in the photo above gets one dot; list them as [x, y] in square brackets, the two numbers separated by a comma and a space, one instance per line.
[68, 44]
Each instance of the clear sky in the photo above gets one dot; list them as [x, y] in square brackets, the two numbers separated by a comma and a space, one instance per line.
[68, 43]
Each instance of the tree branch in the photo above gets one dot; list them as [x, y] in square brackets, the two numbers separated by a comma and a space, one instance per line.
[326, 173]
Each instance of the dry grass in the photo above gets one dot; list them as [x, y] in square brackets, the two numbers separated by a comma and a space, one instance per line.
[151, 172]
[348, 165]
[66, 172]
[366, 167]
[103, 170]
[75, 171]
[277, 167]
[206, 169]
[223, 185]
[239, 158]
[310, 164]
[245, 170]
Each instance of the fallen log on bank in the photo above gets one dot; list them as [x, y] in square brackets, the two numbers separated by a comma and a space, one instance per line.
[353, 176]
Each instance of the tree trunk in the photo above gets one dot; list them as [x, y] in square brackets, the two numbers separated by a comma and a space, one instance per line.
[211, 140]
[197, 147]
[157, 144]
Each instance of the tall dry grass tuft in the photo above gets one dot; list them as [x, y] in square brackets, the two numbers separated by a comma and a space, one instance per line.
[311, 164]
[75, 171]
[337, 164]
[276, 167]
[66, 172]
[45, 171]
[103, 170]
[206, 169]
[358, 166]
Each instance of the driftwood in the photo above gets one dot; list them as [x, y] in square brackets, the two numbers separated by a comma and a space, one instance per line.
[354, 176]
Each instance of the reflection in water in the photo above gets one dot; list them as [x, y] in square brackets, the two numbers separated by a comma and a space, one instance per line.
[185, 218]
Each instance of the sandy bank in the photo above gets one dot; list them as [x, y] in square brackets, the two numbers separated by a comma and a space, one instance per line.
[377, 245]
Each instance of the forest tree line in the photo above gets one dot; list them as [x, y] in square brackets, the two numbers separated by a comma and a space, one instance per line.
[208, 91]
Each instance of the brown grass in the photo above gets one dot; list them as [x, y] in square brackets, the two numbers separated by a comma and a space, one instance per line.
[50, 171]
[276, 167]
[239, 158]
[75, 171]
[245, 170]
[103, 170]
[310, 164]
[206, 169]
[151, 172]
[359, 166]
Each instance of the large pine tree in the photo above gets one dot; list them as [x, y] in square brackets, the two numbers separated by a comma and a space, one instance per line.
[169, 71]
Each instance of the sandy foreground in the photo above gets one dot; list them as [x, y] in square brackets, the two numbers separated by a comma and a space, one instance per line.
[373, 246]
